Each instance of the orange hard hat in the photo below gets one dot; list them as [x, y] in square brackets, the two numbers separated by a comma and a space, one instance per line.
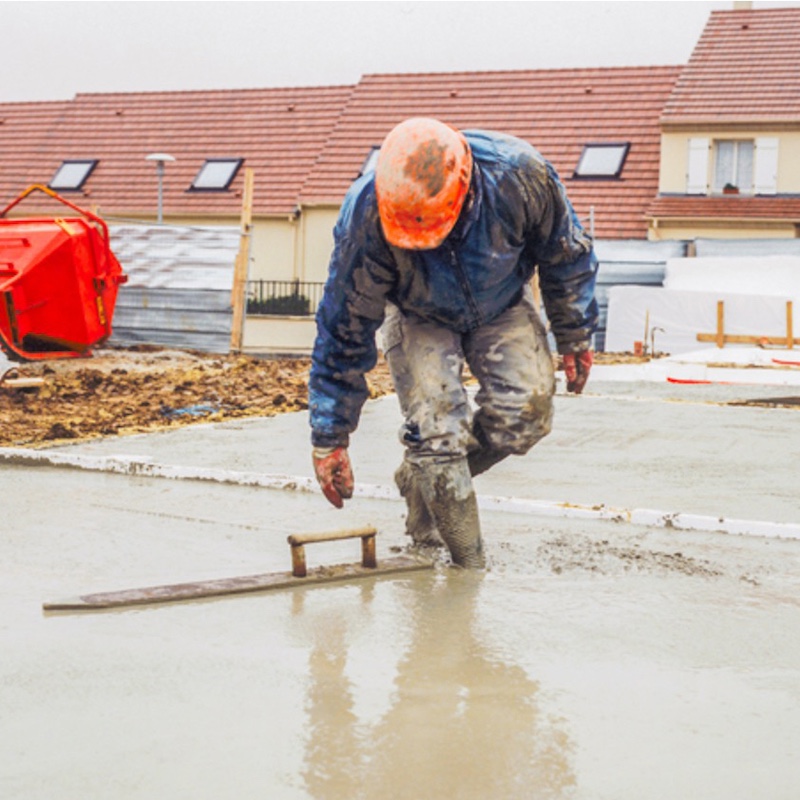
[421, 180]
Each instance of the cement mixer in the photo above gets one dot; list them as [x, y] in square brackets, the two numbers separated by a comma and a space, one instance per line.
[58, 283]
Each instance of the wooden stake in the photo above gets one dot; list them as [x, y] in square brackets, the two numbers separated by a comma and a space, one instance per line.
[239, 292]
[721, 338]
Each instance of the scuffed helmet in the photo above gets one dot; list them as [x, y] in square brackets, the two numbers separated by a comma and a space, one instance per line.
[421, 179]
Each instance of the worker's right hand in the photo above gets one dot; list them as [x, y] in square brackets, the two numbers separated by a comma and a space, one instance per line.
[334, 473]
[576, 369]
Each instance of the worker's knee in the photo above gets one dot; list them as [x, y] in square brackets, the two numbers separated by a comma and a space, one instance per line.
[516, 429]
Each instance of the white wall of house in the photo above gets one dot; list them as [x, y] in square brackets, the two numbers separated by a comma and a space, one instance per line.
[274, 254]
[318, 240]
[689, 230]
[276, 335]
[687, 160]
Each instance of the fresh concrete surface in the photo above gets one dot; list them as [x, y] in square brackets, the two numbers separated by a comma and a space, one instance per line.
[594, 660]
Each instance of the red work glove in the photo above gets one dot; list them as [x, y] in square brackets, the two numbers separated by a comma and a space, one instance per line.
[577, 367]
[334, 473]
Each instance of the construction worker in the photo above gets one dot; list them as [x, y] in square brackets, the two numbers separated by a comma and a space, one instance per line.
[439, 246]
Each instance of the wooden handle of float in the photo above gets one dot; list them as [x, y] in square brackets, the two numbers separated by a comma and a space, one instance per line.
[297, 540]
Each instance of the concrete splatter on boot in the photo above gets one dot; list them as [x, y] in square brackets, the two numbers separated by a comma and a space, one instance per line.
[420, 525]
[451, 500]
[484, 456]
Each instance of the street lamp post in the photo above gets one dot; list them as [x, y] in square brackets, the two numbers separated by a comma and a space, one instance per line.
[160, 159]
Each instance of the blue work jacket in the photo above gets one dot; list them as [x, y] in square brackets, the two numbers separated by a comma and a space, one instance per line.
[516, 218]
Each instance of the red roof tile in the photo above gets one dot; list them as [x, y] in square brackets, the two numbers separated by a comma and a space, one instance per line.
[24, 131]
[279, 133]
[745, 68]
[558, 111]
[696, 208]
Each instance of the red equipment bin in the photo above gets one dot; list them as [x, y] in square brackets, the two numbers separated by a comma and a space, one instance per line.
[58, 283]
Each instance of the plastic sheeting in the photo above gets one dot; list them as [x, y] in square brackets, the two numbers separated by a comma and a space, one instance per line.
[630, 263]
[774, 275]
[754, 290]
[674, 318]
[179, 286]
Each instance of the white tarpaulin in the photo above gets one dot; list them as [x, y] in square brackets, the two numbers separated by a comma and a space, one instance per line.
[758, 275]
[674, 318]
[754, 291]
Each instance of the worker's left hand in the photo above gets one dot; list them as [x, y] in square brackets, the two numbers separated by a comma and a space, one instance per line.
[334, 473]
[576, 368]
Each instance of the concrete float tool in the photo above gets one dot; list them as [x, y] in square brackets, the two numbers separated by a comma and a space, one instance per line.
[299, 576]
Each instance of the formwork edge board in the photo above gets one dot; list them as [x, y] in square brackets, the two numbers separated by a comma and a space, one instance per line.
[142, 467]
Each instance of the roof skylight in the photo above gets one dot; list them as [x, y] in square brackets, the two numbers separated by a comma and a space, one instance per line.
[216, 174]
[370, 161]
[602, 160]
[72, 174]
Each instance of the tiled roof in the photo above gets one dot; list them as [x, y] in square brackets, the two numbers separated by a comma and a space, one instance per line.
[279, 133]
[24, 129]
[726, 207]
[745, 68]
[558, 111]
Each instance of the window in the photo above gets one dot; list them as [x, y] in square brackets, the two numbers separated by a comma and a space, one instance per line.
[72, 174]
[751, 165]
[602, 160]
[733, 165]
[371, 161]
[216, 174]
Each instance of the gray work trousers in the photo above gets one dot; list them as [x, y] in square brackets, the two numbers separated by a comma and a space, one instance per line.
[511, 361]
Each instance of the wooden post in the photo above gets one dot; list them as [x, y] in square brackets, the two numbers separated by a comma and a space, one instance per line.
[239, 291]
[789, 326]
[720, 324]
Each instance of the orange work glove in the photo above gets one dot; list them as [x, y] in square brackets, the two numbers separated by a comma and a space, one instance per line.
[577, 367]
[334, 473]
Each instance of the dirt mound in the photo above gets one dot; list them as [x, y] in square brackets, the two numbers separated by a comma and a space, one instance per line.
[130, 391]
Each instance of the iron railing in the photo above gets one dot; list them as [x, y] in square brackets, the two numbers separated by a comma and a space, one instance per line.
[283, 298]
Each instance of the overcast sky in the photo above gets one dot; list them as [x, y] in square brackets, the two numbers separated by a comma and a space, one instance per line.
[54, 50]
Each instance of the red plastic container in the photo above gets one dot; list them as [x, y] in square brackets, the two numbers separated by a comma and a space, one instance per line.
[58, 283]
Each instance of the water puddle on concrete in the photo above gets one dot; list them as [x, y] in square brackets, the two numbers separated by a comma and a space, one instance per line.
[593, 661]
[623, 686]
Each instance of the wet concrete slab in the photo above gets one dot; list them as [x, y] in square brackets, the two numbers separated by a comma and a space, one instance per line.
[642, 445]
[594, 659]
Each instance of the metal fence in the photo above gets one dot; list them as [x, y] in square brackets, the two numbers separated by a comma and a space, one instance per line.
[283, 298]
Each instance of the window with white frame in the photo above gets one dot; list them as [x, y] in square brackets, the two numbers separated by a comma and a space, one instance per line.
[751, 165]
[733, 165]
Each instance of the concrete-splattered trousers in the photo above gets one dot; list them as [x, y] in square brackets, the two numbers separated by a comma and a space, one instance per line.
[446, 441]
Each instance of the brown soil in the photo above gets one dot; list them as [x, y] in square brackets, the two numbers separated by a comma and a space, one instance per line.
[145, 389]
[123, 391]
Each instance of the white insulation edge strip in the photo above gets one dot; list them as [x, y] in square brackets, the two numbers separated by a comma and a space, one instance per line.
[143, 467]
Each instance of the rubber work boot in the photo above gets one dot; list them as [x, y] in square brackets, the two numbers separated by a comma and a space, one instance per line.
[485, 456]
[419, 522]
[447, 489]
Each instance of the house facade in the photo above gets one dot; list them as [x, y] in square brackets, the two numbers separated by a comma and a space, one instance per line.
[730, 133]
[645, 153]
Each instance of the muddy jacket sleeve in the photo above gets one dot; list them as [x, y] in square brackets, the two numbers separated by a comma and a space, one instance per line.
[361, 274]
[566, 262]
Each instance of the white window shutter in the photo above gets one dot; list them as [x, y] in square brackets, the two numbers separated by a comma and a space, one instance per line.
[766, 168]
[697, 169]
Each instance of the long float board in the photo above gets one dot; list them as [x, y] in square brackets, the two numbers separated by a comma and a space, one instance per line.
[229, 586]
